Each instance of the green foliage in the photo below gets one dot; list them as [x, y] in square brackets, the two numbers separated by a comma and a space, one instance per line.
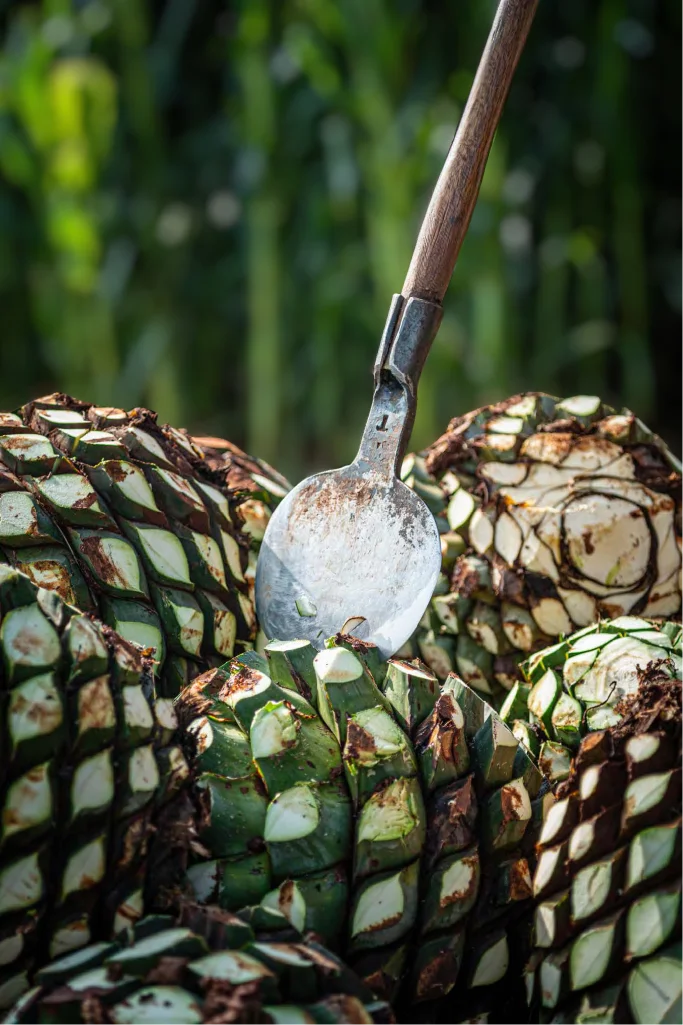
[205, 208]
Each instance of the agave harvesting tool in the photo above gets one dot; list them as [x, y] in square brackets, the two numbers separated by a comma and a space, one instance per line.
[357, 542]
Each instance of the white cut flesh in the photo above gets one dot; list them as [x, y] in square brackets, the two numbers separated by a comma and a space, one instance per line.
[272, 731]
[590, 955]
[123, 565]
[136, 709]
[581, 606]
[96, 706]
[234, 966]
[378, 903]
[291, 815]
[554, 821]
[85, 868]
[508, 538]
[190, 627]
[615, 671]
[65, 490]
[158, 1005]
[211, 555]
[551, 617]
[337, 665]
[233, 555]
[590, 889]
[493, 964]
[504, 473]
[28, 802]
[580, 405]
[654, 989]
[146, 635]
[289, 901]
[92, 786]
[133, 485]
[390, 814]
[21, 884]
[608, 540]
[29, 639]
[34, 710]
[143, 771]
[650, 852]
[650, 921]
[460, 508]
[480, 532]
[166, 554]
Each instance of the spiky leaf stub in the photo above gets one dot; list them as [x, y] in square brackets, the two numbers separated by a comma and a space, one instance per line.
[608, 879]
[90, 765]
[391, 816]
[256, 485]
[126, 518]
[565, 511]
[207, 966]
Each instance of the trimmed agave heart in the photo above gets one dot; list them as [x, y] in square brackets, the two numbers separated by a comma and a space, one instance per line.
[607, 885]
[394, 817]
[576, 686]
[126, 518]
[208, 966]
[91, 782]
[554, 514]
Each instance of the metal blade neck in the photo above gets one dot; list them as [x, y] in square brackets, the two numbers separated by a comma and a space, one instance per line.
[406, 340]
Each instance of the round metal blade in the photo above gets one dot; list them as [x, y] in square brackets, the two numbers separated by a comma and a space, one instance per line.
[345, 543]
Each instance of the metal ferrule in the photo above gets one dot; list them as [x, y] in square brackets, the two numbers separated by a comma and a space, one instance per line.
[407, 337]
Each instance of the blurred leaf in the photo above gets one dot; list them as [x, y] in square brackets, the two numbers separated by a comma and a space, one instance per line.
[207, 208]
[84, 104]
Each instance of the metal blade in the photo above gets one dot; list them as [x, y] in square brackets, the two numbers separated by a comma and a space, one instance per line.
[345, 543]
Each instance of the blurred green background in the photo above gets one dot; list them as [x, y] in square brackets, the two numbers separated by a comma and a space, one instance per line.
[205, 208]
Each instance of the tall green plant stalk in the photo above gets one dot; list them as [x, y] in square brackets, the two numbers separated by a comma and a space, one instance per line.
[264, 392]
[60, 114]
[637, 384]
[206, 209]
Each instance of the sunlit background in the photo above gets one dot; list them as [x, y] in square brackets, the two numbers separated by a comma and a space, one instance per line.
[205, 208]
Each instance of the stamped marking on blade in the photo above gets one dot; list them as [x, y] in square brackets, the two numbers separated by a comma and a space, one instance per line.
[347, 544]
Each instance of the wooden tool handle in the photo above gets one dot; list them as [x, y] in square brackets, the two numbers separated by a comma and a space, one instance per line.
[450, 208]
